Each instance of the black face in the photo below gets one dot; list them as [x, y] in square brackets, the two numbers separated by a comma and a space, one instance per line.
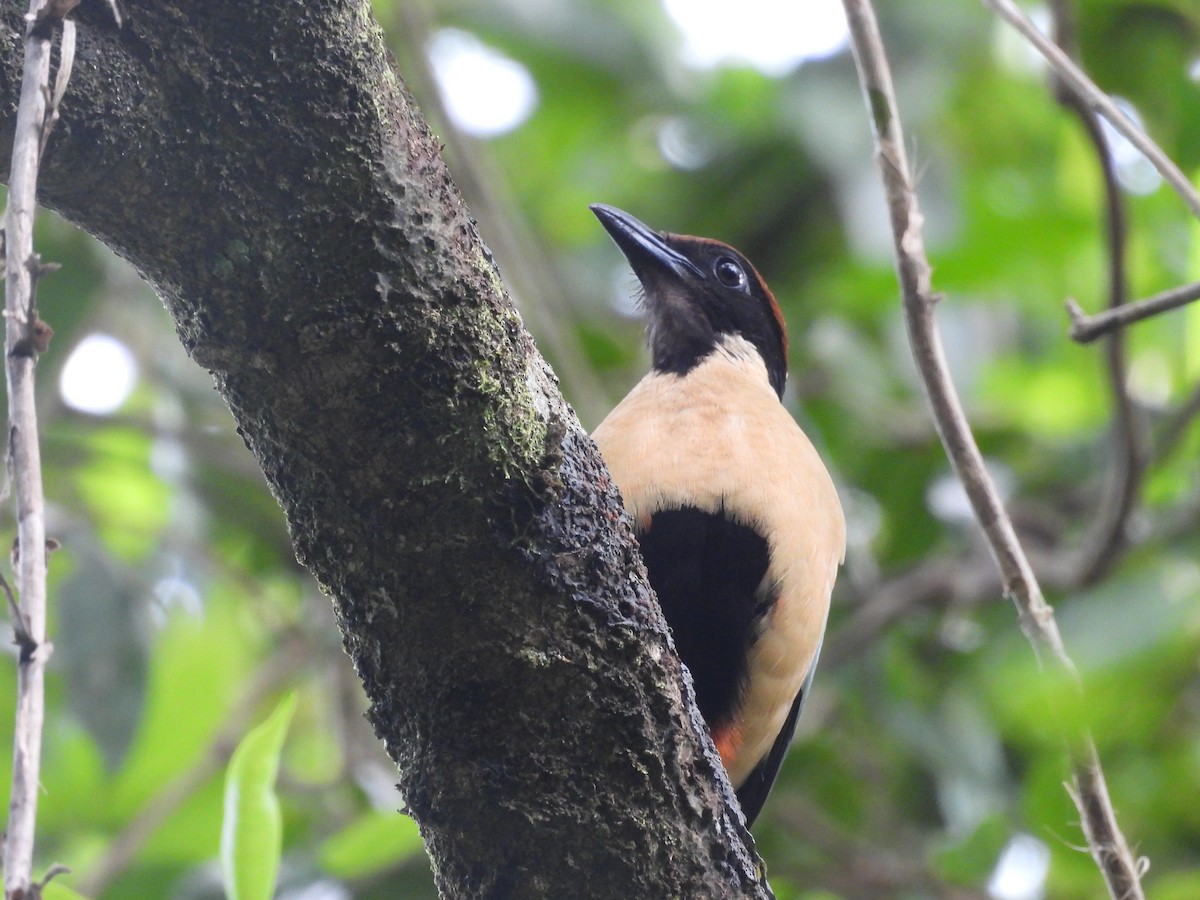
[698, 291]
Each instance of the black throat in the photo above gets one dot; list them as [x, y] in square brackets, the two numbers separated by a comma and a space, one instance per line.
[676, 351]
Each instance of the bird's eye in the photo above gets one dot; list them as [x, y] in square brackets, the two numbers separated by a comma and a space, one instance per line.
[729, 273]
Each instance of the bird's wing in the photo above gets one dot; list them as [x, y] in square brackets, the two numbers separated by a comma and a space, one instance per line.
[708, 571]
[754, 790]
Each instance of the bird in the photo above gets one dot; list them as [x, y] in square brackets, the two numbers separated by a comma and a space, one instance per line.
[737, 517]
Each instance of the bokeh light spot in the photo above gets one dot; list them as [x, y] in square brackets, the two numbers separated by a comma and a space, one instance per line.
[772, 37]
[98, 376]
[486, 93]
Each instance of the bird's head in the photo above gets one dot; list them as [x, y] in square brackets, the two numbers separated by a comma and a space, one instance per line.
[698, 294]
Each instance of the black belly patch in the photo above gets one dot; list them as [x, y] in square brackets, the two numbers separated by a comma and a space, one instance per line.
[708, 573]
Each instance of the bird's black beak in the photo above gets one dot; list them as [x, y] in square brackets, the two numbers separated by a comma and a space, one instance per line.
[648, 253]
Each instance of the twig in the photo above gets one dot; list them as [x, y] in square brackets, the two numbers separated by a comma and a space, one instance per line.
[1100, 548]
[1085, 328]
[25, 460]
[25, 334]
[53, 872]
[66, 60]
[1104, 837]
[1097, 100]
[21, 636]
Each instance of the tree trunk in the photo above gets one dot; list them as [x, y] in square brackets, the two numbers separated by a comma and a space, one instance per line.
[265, 169]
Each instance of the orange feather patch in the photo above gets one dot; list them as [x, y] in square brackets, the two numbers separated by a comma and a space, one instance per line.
[728, 739]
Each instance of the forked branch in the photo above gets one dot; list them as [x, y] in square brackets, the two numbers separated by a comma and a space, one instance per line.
[1074, 77]
[1085, 328]
[1104, 837]
[1107, 538]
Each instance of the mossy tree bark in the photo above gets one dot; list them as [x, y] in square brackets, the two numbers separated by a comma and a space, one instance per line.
[264, 168]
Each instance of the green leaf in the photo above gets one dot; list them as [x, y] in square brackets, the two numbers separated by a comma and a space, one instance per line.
[1178, 885]
[56, 890]
[128, 503]
[252, 832]
[217, 650]
[370, 844]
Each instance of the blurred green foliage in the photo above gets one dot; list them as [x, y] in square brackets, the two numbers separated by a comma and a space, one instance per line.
[180, 617]
[252, 827]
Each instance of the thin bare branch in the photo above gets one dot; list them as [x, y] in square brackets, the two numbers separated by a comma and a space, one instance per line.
[115, 11]
[1097, 100]
[21, 636]
[24, 335]
[53, 872]
[1085, 328]
[26, 465]
[1105, 840]
[66, 61]
[1100, 548]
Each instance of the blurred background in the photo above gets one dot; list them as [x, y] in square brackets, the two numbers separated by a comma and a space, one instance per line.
[928, 762]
